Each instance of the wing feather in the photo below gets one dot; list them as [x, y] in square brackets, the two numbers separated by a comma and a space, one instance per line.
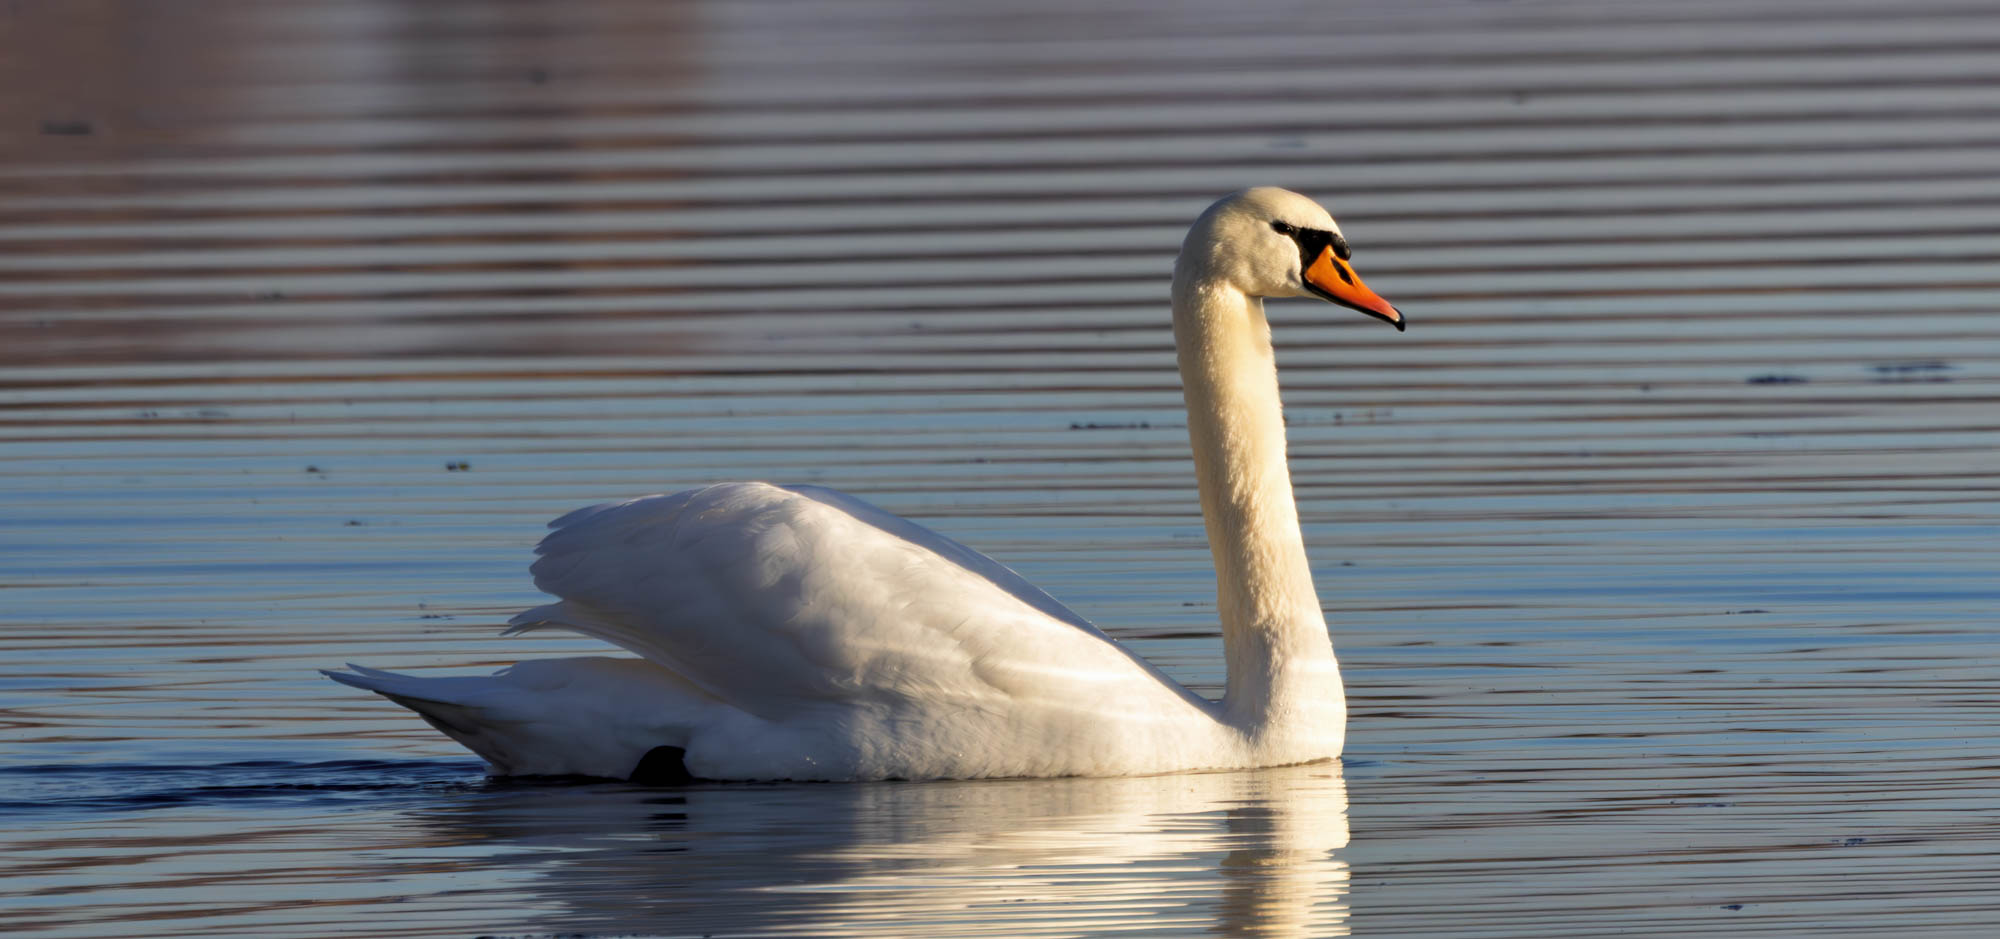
[776, 599]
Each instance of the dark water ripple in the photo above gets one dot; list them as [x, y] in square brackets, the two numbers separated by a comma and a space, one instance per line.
[85, 788]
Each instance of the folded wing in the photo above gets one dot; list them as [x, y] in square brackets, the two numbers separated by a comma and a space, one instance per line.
[784, 600]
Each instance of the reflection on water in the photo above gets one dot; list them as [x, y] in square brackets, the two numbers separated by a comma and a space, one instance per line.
[1239, 853]
[1660, 552]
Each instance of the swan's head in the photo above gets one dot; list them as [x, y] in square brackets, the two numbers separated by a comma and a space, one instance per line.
[1270, 242]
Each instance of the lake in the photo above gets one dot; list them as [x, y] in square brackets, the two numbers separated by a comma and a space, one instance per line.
[1662, 552]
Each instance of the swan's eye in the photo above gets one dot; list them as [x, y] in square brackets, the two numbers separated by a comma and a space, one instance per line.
[1311, 242]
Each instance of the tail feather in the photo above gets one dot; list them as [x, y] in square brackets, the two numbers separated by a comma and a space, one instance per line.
[550, 716]
[432, 690]
[448, 704]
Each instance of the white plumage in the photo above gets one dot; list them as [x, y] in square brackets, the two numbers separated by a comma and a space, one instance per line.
[798, 633]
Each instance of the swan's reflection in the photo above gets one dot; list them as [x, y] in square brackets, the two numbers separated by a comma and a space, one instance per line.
[1235, 854]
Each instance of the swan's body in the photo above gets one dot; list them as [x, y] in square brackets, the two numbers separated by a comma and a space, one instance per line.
[798, 633]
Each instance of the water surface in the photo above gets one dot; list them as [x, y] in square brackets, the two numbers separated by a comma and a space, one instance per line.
[1660, 552]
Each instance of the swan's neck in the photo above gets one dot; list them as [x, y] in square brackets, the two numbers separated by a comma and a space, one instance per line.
[1280, 661]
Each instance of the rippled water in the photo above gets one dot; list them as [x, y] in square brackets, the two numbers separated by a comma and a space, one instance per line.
[1661, 551]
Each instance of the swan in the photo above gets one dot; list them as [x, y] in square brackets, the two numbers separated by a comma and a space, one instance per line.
[794, 632]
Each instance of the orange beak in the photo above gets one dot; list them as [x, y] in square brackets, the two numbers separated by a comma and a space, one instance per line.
[1330, 277]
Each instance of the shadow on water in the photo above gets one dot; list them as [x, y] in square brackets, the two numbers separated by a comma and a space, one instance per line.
[62, 788]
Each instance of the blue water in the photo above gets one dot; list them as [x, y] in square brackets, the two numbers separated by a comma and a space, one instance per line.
[1661, 551]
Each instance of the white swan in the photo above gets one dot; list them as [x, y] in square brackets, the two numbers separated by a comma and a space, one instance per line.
[797, 633]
